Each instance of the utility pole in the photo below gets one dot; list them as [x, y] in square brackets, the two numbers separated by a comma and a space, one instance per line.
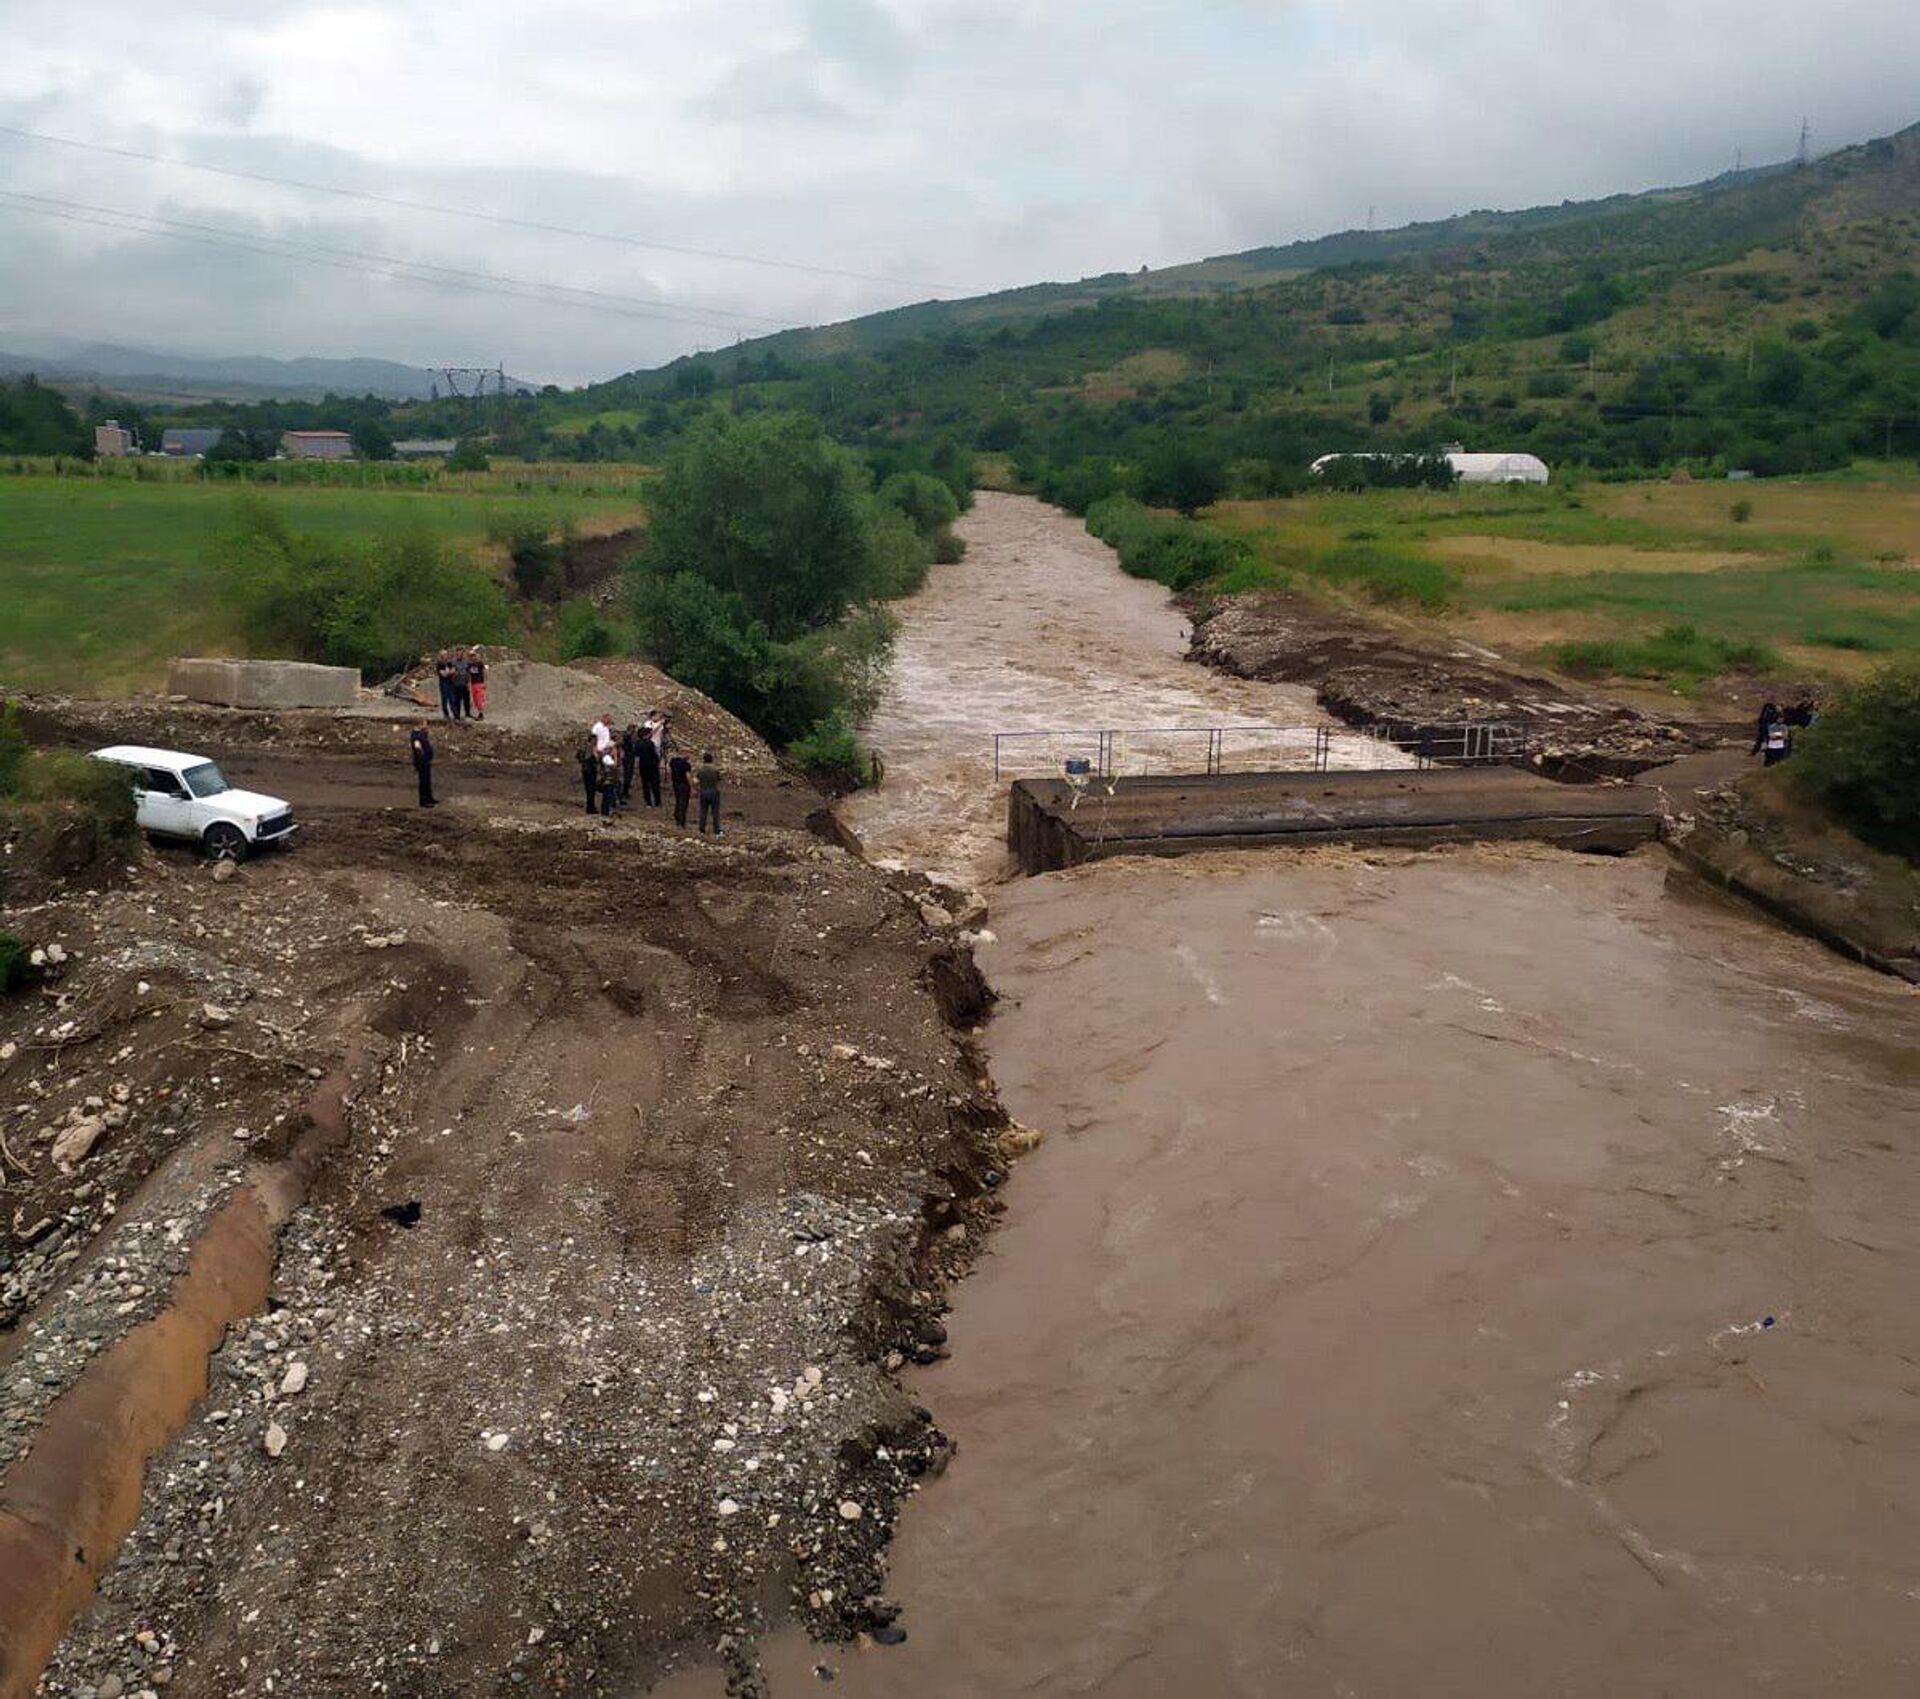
[1804, 152]
[1739, 160]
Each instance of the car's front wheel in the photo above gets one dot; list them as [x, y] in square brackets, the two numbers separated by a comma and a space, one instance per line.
[225, 842]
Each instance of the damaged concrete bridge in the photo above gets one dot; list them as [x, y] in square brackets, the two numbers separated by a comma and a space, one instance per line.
[1055, 823]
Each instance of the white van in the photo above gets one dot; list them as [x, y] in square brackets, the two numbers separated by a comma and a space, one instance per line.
[187, 796]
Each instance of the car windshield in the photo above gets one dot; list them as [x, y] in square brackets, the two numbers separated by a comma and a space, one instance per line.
[206, 780]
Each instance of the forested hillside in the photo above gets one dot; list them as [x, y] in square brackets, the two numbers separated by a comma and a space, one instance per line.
[1769, 321]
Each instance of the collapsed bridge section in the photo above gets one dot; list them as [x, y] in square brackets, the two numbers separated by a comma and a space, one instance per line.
[1056, 823]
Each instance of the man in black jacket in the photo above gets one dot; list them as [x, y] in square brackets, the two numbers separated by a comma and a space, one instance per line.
[589, 760]
[629, 753]
[648, 754]
[420, 746]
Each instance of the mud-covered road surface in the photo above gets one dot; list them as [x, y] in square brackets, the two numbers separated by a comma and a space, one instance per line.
[1473, 1274]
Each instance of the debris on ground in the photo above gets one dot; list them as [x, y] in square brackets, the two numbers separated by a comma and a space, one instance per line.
[1379, 676]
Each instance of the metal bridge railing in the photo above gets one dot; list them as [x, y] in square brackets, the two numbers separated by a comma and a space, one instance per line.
[1466, 743]
[1121, 753]
[1118, 752]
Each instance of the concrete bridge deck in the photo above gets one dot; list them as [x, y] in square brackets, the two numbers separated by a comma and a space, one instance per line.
[1051, 825]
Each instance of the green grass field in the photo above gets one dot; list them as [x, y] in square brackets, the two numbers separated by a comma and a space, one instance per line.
[103, 580]
[1821, 575]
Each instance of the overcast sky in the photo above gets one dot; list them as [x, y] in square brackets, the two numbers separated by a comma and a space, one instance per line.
[965, 144]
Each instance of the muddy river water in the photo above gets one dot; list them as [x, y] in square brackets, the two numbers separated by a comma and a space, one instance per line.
[1037, 635]
[1488, 1272]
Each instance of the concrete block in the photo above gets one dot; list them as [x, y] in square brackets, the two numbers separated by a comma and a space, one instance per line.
[263, 684]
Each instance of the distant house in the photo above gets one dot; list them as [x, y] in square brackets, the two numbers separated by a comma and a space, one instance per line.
[424, 448]
[112, 440]
[316, 445]
[188, 442]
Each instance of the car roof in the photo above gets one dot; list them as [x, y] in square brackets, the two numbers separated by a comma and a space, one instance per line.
[138, 755]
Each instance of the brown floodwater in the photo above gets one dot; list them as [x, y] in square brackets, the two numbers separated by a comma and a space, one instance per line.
[1038, 634]
[1482, 1273]
[1486, 1273]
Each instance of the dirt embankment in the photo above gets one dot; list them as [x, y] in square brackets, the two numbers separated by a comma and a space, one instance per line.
[1757, 840]
[654, 1157]
[1388, 678]
[1738, 831]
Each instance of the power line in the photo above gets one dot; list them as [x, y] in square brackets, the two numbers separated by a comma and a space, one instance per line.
[381, 265]
[664, 306]
[484, 217]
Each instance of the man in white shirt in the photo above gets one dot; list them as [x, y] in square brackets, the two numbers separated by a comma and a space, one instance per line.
[602, 730]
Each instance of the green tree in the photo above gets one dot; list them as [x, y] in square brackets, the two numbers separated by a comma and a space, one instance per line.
[37, 420]
[767, 510]
[468, 456]
[371, 440]
[239, 443]
[1185, 476]
[584, 630]
[1861, 759]
[706, 637]
[376, 605]
[953, 465]
[1002, 433]
[926, 501]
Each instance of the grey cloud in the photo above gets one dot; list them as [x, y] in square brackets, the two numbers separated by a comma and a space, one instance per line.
[781, 88]
[237, 102]
[861, 34]
[979, 142]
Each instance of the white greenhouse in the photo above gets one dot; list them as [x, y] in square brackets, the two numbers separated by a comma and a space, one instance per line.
[1498, 468]
[1467, 468]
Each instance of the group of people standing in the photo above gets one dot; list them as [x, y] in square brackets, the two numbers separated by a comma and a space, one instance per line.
[610, 760]
[463, 684]
[1773, 737]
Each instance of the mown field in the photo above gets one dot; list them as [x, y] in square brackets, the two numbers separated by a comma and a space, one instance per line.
[1668, 582]
[104, 579]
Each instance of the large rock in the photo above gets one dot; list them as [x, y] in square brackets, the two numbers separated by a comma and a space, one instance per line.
[75, 1143]
[263, 684]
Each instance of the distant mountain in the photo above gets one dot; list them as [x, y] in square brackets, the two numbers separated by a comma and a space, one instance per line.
[1743, 207]
[1766, 320]
[145, 372]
